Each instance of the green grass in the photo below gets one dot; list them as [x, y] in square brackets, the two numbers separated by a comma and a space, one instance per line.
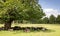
[55, 30]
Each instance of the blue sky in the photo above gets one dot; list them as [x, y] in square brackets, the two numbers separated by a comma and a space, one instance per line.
[50, 7]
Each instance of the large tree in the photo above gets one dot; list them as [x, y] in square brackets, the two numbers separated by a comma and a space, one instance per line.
[12, 10]
[52, 19]
[58, 19]
[45, 20]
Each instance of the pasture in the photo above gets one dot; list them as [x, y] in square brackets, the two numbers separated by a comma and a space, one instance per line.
[55, 30]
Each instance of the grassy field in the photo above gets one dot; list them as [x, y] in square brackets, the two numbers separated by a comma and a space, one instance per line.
[55, 32]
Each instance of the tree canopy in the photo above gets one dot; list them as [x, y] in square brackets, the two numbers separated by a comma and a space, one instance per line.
[20, 9]
[52, 19]
[58, 19]
[11, 10]
[45, 20]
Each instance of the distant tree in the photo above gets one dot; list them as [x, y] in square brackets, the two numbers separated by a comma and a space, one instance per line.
[45, 20]
[12, 10]
[52, 19]
[40, 21]
[58, 19]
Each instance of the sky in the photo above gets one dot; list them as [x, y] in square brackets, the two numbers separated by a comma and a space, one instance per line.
[50, 7]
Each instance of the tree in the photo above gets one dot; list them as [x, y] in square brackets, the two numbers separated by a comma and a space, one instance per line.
[12, 10]
[52, 19]
[45, 20]
[40, 21]
[58, 19]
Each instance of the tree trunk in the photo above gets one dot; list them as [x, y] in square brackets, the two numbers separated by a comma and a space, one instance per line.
[7, 24]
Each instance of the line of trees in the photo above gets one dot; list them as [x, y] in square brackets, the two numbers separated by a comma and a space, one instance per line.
[51, 20]
[46, 20]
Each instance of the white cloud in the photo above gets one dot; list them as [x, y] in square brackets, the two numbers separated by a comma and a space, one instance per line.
[50, 11]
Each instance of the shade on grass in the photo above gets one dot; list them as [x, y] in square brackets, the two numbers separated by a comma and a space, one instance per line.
[20, 33]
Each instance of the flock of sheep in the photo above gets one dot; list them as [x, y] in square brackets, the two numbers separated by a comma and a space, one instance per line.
[27, 29]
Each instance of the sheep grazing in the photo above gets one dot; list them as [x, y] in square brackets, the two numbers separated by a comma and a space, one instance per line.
[39, 28]
[28, 27]
[23, 28]
[16, 28]
[27, 30]
[10, 29]
[1, 28]
[44, 29]
[34, 28]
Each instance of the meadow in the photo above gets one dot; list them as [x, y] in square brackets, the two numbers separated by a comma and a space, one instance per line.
[55, 30]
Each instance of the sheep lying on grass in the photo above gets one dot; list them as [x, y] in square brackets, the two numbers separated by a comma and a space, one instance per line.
[26, 29]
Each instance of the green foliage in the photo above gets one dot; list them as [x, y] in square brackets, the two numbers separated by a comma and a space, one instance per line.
[45, 20]
[20, 9]
[40, 21]
[52, 19]
[58, 19]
